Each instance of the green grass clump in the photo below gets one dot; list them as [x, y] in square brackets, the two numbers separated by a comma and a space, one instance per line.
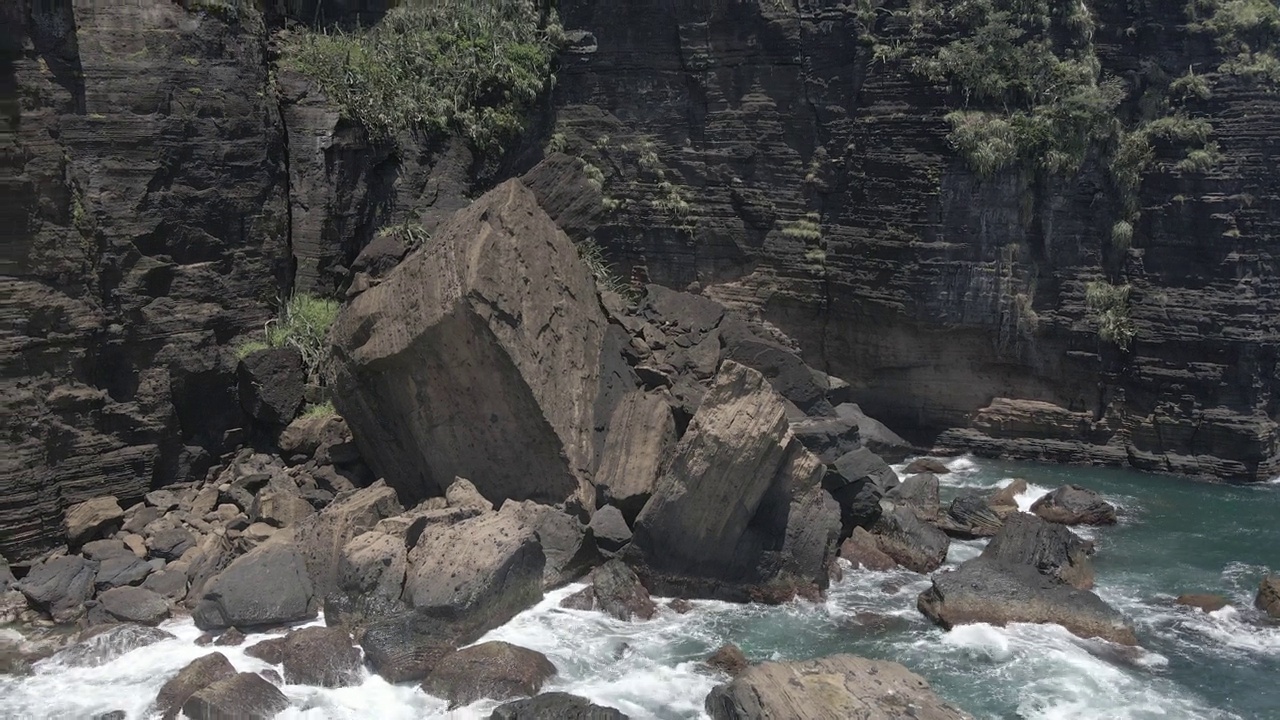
[304, 325]
[249, 347]
[468, 66]
[606, 279]
[1122, 234]
[1191, 85]
[1108, 306]
[805, 228]
[322, 410]
[1247, 32]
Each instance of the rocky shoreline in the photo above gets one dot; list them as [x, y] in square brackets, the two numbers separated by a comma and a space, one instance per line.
[500, 437]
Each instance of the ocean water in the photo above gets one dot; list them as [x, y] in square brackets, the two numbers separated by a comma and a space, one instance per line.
[1175, 536]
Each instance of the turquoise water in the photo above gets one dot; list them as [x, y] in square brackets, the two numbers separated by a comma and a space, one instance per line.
[1175, 536]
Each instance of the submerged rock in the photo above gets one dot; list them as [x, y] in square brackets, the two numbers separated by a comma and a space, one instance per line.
[496, 670]
[102, 644]
[861, 551]
[830, 688]
[1204, 602]
[321, 656]
[1074, 505]
[729, 660]
[555, 706]
[927, 465]
[1268, 599]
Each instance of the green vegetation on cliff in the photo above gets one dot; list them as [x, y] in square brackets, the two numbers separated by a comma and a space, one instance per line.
[303, 325]
[1108, 306]
[1247, 32]
[466, 66]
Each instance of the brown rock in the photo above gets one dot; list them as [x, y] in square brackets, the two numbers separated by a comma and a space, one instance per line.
[92, 519]
[462, 493]
[1268, 599]
[270, 650]
[280, 504]
[1207, 603]
[911, 542]
[197, 675]
[322, 656]
[244, 696]
[614, 590]
[1006, 497]
[861, 550]
[230, 638]
[1074, 505]
[728, 660]
[831, 688]
[642, 433]
[680, 606]
[926, 465]
[496, 670]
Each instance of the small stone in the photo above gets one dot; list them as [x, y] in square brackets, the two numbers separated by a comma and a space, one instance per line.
[926, 465]
[1205, 602]
[230, 638]
[136, 544]
[729, 660]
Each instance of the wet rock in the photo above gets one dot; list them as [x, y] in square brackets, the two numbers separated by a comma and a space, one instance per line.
[984, 591]
[839, 686]
[970, 516]
[614, 590]
[120, 570]
[862, 552]
[170, 544]
[724, 500]
[1268, 599]
[610, 530]
[729, 660]
[554, 706]
[858, 480]
[92, 519]
[642, 433]
[496, 670]
[321, 656]
[405, 647]
[231, 638]
[60, 587]
[489, 566]
[197, 675]
[1205, 602]
[569, 550]
[926, 465]
[100, 645]
[113, 715]
[267, 586]
[1074, 505]
[133, 605]
[1048, 547]
[920, 493]
[271, 385]
[911, 542]
[680, 606]
[504, 365]
[1007, 496]
[244, 696]
[270, 650]
[463, 494]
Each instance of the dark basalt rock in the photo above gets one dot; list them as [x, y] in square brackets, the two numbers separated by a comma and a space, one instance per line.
[614, 590]
[1074, 505]
[268, 586]
[1048, 547]
[131, 604]
[244, 696]
[858, 480]
[971, 516]
[920, 493]
[324, 657]
[496, 670]
[197, 675]
[555, 706]
[60, 586]
[271, 385]
[910, 541]
[609, 529]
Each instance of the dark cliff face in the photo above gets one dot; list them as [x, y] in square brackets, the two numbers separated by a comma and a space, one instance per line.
[171, 182]
[824, 194]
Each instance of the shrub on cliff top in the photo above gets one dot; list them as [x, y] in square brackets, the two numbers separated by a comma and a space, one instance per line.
[470, 66]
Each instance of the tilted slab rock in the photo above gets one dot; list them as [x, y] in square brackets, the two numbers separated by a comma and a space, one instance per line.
[478, 357]
[642, 432]
[838, 687]
[267, 586]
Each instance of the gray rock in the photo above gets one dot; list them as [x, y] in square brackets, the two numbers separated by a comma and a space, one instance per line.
[267, 586]
[60, 586]
[642, 433]
[982, 590]
[858, 481]
[616, 591]
[569, 550]
[827, 436]
[270, 650]
[164, 500]
[926, 465]
[495, 670]
[271, 385]
[139, 517]
[910, 541]
[169, 583]
[610, 530]
[120, 570]
[134, 605]
[320, 436]
[171, 544]
[92, 519]
[1048, 547]
[861, 550]
[244, 696]
[970, 515]
[100, 550]
[838, 686]
[554, 706]
[321, 538]
[100, 645]
[6, 575]
[875, 435]
[197, 675]
[729, 660]
[920, 493]
[1074, 505]
[405, 647]
[373, 567]
[280, 504]
[463, 494]
[321, 656]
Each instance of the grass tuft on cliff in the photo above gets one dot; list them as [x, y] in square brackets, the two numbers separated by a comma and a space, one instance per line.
[1108, 306]
[468, 66]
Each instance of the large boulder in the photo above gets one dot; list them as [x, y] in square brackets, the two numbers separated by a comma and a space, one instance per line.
[60, 586]
[271, 384]
[1048, 547]
[911, 542]
[487, 567]
[920, 493]
[92, 519]
[858, 480]
[642, 432]
[244, 696]
[496, 670]
[323, 436]
[614, 590]
[555, 706]
[267, 586]
[405, 647]
[119, 570]
[1074, 505]
[721, 511]
[133, 605]
[321, 656]
[197, 675]
[320, 539]
[609, 528]
[982, 590]
[875, 435]
[862, 551]
[1268, 599]
[372, 569]
[829, 688]
[462, 493]
[280, 504]
[569, 549]
[971, 516]
[478, 357]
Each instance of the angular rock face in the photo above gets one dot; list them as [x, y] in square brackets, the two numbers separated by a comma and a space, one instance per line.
[555, 706]
[1268, 599]
[569, 551]
[862, 551]
[1074, 505]
[244, 696]
[271, 385]
[197, 675]
[614, 590]
[101, 645]
[267, 586]
[829, 688]
[641, 433]
[1048, 547]
[91, 519]
[478, 357]
[151, 191]
[323, 657]
[858, 480]
[133, 605]
[718, 518]
[495, 670]
[60, 586]
[321, 538]
[910, 541]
